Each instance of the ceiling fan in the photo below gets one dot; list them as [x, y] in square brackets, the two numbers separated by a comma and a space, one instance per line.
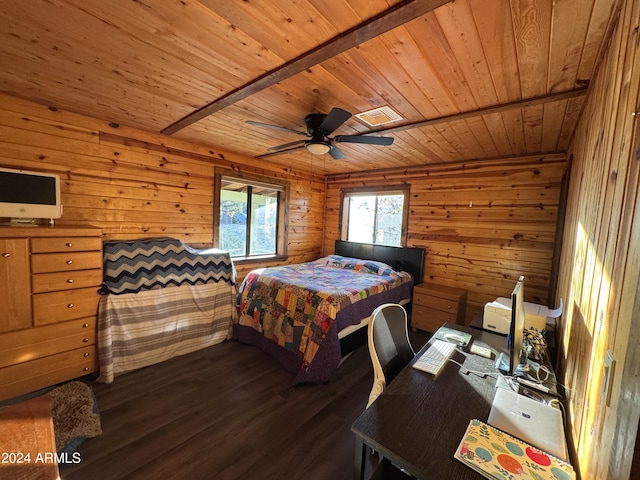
[319, 127]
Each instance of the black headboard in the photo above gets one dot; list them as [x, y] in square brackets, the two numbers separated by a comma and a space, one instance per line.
[408, 259]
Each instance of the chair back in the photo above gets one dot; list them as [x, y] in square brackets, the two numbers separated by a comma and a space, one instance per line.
[389, 345]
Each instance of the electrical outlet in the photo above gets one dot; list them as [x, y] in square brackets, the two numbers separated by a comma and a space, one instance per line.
[607, 377]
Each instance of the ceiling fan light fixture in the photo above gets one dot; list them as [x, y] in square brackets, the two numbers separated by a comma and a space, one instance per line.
[318, 147]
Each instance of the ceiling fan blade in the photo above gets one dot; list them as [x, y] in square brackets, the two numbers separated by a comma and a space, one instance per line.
[287, 145]
[336, 153]
[279, 152]
[275, 127]
[366, 139]
[333, 120]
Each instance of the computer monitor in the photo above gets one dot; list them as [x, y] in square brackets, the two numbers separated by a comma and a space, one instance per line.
[510, 363]
[516, 329]
[25, 196]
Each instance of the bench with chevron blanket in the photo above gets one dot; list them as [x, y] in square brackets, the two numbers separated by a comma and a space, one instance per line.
[161, 299]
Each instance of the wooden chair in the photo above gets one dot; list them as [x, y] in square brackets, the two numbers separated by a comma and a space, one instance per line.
[389, 345]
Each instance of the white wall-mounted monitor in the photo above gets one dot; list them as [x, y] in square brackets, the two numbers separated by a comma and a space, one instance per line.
[26, 196]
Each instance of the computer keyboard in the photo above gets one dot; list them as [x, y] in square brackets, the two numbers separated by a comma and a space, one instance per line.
[435, 357]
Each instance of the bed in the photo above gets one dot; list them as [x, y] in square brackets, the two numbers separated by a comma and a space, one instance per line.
[309, 316]
[160, 299]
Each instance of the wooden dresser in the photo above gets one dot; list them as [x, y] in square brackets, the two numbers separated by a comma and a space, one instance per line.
[49, 281]
[433, 305]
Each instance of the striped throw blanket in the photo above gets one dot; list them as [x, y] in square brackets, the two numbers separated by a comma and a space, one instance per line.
[161, 299]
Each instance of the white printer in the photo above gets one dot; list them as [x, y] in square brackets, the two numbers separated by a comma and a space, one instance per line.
[497, 315]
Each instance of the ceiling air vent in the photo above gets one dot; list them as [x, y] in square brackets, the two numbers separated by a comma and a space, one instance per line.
[379, 116]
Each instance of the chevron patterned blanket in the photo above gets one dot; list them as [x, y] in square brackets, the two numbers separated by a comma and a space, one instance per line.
[161, 298]
[134, 265]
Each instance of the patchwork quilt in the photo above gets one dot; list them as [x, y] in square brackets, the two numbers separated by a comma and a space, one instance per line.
[297, 305]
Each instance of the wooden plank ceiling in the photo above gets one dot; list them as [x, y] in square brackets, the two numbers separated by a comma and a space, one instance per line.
[470, 79]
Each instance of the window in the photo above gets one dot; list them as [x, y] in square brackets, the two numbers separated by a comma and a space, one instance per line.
[376, 216]
[250, 215]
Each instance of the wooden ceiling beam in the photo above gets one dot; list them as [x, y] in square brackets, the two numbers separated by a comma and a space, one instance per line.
[398, 15]
[503, 107]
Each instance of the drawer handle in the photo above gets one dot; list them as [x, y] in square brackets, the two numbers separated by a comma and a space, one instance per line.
[6, 254]
[85, 340]
[85, 369]
[69, 262]
[70, 280]
[85, 354]
[71, 305]
[68, 244]
[85, 325]
[449, 307]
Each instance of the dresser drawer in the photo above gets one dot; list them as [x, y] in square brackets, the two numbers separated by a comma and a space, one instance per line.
[66, 305]
[428, 319]
[436, 303]
[65, 244]
[29, 376]
[65, 262]
[53, 282]
[433, 305]
[32, 343]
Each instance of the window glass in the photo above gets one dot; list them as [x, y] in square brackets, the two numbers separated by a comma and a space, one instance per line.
[233, 219]
[361, 219]
[264, 216]
[388, 226]
[250, 217]
[375, 217]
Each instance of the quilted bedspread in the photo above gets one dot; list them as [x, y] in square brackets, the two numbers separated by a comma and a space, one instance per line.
[296, 305]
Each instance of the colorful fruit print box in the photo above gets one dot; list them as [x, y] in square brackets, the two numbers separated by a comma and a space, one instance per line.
[497, 455]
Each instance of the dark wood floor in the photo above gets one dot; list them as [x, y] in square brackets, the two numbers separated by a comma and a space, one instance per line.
[226, 412]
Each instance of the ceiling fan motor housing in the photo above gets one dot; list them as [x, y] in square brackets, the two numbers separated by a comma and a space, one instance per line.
[313, 121]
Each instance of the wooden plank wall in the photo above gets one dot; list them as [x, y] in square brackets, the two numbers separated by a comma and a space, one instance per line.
[600, 263]
[482, 223]
[135, 184]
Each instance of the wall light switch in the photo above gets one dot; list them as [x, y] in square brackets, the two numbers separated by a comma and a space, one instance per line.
[607, 377]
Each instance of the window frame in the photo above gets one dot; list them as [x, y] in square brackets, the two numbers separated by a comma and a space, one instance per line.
[346, 193]
[282, 186]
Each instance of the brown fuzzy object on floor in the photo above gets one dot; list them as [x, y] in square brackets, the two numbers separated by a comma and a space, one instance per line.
[72, 406]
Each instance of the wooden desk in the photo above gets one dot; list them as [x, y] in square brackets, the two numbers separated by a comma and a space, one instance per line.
[27, 441]
[418, 422]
